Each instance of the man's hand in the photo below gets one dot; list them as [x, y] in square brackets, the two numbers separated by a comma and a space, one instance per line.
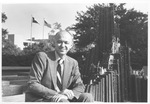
[68, 93]
[58, 97]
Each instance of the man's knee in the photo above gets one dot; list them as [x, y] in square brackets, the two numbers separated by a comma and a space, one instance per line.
[86, 97]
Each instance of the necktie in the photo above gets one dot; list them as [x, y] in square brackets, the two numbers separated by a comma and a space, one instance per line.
[59, 80]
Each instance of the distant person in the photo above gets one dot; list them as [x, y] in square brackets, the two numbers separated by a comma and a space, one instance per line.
[54, 76]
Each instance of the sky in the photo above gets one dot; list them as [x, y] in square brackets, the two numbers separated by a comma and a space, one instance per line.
[19, 16]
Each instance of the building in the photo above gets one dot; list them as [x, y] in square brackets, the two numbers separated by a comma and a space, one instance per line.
[11, 38]
[37, 41]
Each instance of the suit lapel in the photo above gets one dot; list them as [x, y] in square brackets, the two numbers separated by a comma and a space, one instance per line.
[67, 71]
[53, 65]
[53, 72]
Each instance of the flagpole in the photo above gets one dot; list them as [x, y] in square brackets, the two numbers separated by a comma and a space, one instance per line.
[43, 28]
[31, 30]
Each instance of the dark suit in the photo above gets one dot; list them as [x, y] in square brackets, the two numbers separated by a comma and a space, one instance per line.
[43, 77]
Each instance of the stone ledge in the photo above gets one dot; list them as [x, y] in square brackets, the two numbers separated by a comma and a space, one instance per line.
[10, 78]
[14, 98]
[12, 90]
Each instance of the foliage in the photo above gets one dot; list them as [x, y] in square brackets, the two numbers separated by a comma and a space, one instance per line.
[19, 60]
[55, 28]
[24, 57]
[4, 17]
[10, 49]
[7, 47]
[87, 25]
[133, 28]
[139, 58]
[4, 31]
[133, 33]
[44, 45]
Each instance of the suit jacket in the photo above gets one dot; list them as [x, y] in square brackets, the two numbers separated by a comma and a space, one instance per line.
[42, 82]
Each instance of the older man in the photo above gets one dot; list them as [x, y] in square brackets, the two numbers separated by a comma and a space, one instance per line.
[55, 77]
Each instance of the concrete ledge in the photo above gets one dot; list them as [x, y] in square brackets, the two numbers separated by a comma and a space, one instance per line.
[18, 82]
[16, 68]
[9, 78]
[12, 90]
[14, 98]
[5, 83]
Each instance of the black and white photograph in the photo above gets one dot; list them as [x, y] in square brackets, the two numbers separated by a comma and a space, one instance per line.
[62, 51]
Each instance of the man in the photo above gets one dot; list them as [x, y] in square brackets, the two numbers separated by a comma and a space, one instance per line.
[54, 76]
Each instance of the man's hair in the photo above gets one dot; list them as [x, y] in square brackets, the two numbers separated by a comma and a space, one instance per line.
[61, 31]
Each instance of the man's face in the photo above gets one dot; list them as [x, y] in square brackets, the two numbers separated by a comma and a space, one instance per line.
[63, 43]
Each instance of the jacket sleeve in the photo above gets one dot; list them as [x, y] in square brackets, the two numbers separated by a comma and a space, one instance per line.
[77, 83]
[34, 84]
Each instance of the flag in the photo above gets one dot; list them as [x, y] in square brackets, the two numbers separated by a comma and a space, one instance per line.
[47, 24]
[34, 21]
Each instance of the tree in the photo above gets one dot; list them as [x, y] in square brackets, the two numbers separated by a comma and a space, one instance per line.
[10, 49]
[55, 28]
[133, 28]
[44, 45]
[87, 25]
[4, 31]
[133, 32]
[7, 47]
[4, 17]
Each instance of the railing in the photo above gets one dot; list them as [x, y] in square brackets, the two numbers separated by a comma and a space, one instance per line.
[104, 87]
[117, 84]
